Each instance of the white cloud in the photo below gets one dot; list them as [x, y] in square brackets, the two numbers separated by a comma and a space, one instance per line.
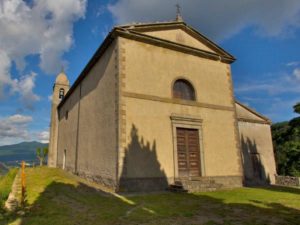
[273, 85]
[19, 119]
[100, 11]
[24, 86]
[43, 28]
[43, 136]
[296, 74]
[293, 64]
[5, 79]
[273, 95]
[14, 127]
[279, 109]
[50, 97]
[218, 19]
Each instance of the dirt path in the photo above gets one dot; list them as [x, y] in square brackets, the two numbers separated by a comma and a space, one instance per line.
[13, 199]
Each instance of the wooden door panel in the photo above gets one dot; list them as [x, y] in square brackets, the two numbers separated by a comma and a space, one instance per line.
[188, 152]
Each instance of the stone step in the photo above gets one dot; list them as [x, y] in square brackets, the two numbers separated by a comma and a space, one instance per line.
[198, 184]
[197, 179]
[176, 188]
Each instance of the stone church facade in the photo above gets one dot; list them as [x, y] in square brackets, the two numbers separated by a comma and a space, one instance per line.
[153, 107]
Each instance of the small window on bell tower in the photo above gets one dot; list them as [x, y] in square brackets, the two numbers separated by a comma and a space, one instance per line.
[61, 93]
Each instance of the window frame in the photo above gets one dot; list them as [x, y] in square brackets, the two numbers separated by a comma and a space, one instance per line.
[187, 81]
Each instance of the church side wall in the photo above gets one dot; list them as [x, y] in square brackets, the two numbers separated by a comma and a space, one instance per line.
[256, 139]
[67, 132]
[148, 144]
[91, 128]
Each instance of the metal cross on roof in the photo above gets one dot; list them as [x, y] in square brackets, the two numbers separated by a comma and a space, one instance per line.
[62, 69]
[178, 16]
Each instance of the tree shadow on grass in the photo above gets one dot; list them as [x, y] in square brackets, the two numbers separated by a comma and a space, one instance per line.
[67, 204]
[282, 189]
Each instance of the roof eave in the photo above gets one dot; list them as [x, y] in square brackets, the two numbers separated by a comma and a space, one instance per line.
[254, 112]
[144, 27]
[172, 45]
[100, 51]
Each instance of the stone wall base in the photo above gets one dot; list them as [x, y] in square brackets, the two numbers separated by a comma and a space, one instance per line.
[287, 181]
[143, 184]
[213, 183]
[105, 181]
[195, 184]
[192, 184]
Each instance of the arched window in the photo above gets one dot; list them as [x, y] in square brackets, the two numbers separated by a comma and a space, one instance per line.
[182, 89]
[61, 93]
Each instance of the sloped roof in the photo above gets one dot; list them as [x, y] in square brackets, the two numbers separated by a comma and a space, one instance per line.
[143, 27]
[134, 31]
[246, 114]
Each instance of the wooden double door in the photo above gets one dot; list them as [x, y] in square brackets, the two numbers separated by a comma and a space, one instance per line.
[188, 152]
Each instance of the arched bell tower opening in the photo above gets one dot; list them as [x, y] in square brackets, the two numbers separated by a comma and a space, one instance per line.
[60, 89]
[61, 93]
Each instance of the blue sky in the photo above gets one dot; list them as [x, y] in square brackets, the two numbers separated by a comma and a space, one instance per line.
[37, 37]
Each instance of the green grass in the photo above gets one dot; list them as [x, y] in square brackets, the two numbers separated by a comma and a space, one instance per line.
[5, 185]
[57, 198]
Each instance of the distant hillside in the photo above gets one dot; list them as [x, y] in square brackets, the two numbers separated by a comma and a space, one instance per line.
[22, 151]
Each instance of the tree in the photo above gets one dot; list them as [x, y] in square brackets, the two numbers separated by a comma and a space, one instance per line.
[41, 155]
[286, 139]
[297, 108]
[45, 154]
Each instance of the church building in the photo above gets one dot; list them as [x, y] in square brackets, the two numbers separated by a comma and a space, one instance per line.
[155, 107]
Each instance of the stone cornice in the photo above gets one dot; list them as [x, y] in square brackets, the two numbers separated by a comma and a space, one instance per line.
[175, 25]
[253, 121]
[176, 101]
[172, 45]
[185, 118]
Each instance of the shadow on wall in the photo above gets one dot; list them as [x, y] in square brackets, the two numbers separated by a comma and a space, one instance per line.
[78, 108]
[141, 169]
[254, 170]
[90, 85]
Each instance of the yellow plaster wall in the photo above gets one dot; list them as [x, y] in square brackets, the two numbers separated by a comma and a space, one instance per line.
[259, 136]
[158, 67]
[179, 36]
[152, 120]
[151, 70]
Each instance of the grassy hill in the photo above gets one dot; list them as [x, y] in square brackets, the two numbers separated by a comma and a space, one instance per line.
[58, 198]
[5, 187]
[22, 151]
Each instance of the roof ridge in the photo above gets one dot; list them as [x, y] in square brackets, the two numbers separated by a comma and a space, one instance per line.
[148, 23]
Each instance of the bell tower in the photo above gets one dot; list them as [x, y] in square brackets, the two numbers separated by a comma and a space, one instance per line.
[60, 89]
